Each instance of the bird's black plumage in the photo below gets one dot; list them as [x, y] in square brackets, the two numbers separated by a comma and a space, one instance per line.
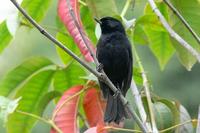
[115, 55]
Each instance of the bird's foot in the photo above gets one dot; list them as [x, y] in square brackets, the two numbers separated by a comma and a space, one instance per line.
[100, 67]
[116, 94]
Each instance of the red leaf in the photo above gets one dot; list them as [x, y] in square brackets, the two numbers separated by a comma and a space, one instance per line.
[94, 107]
[66, 18]
[91, 130]
[66, 116]
[98, 129]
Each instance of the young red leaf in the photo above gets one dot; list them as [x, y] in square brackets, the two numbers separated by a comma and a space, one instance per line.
[67, 19]
[91, 130]
[94, 107]
[66, 114]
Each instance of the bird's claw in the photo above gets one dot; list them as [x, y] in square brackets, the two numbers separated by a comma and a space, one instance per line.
[116, 94]
[100, 67]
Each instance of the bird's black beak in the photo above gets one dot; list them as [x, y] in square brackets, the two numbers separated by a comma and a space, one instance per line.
[98, 21]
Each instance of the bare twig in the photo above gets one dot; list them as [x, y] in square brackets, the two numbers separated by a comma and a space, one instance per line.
[125, 8]
[138, 101]
[51, 123]
[101, 76]
[176, 12]
[172, 33]
[147, 92]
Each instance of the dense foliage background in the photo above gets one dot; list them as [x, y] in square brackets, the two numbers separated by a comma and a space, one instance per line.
[168, 74]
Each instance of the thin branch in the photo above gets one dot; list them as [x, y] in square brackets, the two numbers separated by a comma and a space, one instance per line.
[176, 12]
[128, 2]
[138, 101]
[122, 129]
[147, 92]
[175, 126]
[49, 122]
[102, 76]
[82, 2]
[83, 119]
[172, 33]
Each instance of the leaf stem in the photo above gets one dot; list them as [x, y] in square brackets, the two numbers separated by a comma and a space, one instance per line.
[176, 12]
[49, 122]
[127, 4]
[82, 2]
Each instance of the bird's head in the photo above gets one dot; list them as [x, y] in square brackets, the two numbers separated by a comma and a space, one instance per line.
[110, 25]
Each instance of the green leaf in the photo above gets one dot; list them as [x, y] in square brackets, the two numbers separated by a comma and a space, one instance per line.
[5, 36]
[139, 36]
[159, 39]
[173, 108]
[69, 43]
[32, 93]
[102, 8]
[88, 23]
[20, 74]
[46, 99]
[137, 75]
[36, 8]
[190, 10]
[67, 77]
[184, 116]
[7, 107]
[163, 116]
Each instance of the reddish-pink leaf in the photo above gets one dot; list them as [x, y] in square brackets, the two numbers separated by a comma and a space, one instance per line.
[91, 130]
[67, 19]
[94, 107]
[66, 115]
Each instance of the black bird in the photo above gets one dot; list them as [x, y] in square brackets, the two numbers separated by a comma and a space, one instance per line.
[115, 56]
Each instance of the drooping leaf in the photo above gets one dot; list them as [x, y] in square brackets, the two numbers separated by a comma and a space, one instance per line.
[37, 9]
[174, 109]
[102, 8]
[163, 116]
[190, 10]
[66, 111]
[184, 116]
[67, 19]
[20, 74]
[32, 93]
[159, 40]
[94, 107]
[5, 36]
[7, 107]
[67, 77]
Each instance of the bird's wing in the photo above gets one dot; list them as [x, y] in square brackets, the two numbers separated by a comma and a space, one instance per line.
[127, 80]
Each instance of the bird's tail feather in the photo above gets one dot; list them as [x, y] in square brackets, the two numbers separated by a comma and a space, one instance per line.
[115, 111]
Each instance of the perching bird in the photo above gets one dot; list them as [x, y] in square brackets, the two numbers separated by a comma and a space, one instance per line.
[115, 56]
